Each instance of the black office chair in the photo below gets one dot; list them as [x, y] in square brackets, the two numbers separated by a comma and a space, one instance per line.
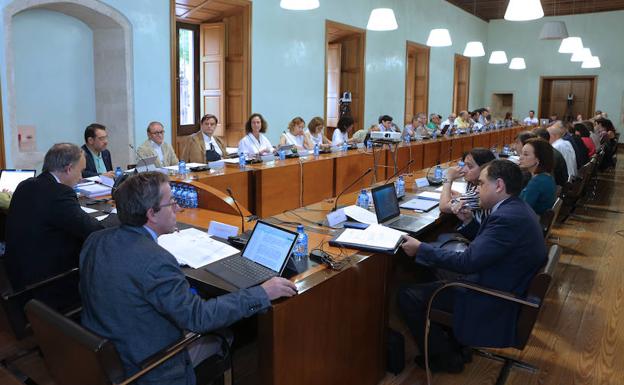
[530, 306]
[77, 356]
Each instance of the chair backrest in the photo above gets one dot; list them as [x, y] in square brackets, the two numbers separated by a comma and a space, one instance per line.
[73, 354]
[537, 292]
[548, 218]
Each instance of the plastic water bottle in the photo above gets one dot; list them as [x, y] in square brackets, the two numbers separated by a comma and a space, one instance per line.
[506, 149]
[317, 151]
[434, 135]
[345, 147]
[300, 251]
[174, 190]
[193, 198]
[182, 168]
[439, 173]
[400, 186]
[118, 173]
[241, 160]
[494, 150]
[362, 200]
[407, 139]
[369, 145]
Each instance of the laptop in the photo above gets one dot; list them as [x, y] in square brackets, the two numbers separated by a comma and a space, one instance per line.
[147, 164]
[10, 178]
[388, 211]
[265, 256]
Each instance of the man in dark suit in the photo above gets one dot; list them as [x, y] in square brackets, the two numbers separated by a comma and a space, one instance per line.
[135, 294]
[506, 252]
[97, 156]
[45, 224]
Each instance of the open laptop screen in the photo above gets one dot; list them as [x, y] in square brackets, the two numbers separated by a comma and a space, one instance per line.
[386, 203]
[270, 246]
[9, 179]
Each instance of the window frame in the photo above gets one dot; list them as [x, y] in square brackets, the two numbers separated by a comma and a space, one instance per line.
[187, 129]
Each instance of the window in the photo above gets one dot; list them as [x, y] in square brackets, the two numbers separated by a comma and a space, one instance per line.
[187, 78]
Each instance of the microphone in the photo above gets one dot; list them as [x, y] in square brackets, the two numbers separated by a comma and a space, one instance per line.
[139, 157]
[348, 187]
[400, 170]
[229, 191]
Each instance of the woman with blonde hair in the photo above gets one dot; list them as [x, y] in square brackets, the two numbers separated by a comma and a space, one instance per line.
[295, 135]
[315, 133]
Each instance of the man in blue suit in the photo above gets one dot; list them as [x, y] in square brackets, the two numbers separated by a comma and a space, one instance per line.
[506, 252]
[135, 294]
[97, 156]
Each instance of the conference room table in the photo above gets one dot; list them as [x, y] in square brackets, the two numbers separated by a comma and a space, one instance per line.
[333, 330]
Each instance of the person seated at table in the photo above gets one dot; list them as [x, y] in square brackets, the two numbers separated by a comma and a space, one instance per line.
[295, 135]
[508, 118]
[361, 136]
[450, 121]
[537, 158]
[385, 123]
[341, 133]
[531, 120]
[255, 143]
[555, 132]
[98, 158]
[203, 146]
[434, 124]
[560, 169]
[520, 139]
[315, 134]
[135, 294]
[463, 121]
[155, 145]
[417, 127]
[580, 129]
[452, 202]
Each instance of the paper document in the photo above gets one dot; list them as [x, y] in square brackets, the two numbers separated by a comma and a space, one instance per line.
[188, 166]
[94, 190]
[195, 248]
[360, 215]
[421, 205]
[88, 210]
[432, 196]
[231, 150]
[231, 160]
[375, 235]
[460, 187]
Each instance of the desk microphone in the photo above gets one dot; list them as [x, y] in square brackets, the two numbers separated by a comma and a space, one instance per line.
[348, 187]
[400, 170]
[140, 159]
[229, 191]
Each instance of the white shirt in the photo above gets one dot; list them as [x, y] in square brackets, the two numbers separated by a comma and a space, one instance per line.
[566, 149]
[339, 138]
[316, 139]
[208, 140]
[531, 122]
[250, 145]
[447, 122]
[294, 140]
[158, 150]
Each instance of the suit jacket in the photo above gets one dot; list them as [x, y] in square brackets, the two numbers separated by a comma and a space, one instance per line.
[147, 151]
[45, 230]
[90, 169]
[135, 294]
[581, 152]
[506, 253]
[195, 149]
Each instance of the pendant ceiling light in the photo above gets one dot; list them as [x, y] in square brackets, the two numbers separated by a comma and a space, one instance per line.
[474, 49]
[593, 62]
[581, 55]
[439, 37]
[517, 63]
[498, 57]
[554, 30]
[299, 5]
[524, 10]
[382, 19]
[571, 45]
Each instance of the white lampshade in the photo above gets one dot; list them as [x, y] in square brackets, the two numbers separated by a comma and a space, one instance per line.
[554, 30]
[474, 49]
[571, 45]
[382, 19]
[581, 55]
[593, 62]
[523, 10]
[299, 5]
[439, 37]
[517, 63]
[498, 57]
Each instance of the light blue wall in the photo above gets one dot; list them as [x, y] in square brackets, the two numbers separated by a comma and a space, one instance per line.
[151, 71]
[288, 57]
[601, 32]
[53, 56]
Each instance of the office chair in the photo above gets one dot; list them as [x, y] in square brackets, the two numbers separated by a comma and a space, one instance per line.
[76, 356]
[530, 306]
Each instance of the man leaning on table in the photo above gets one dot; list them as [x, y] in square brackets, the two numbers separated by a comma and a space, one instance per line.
[135, 294]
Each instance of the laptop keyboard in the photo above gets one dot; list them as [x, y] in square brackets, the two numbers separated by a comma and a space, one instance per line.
[403, 222]
[247, 268]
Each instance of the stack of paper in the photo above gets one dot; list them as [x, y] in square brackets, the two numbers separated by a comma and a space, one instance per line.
[93, 190]
[374, 236]
[195, 248]
[432, 196]
[460, 187]
[360, 215]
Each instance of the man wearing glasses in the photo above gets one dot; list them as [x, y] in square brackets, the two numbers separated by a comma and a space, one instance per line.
[98, 158]
[135, 294]
[155, 145]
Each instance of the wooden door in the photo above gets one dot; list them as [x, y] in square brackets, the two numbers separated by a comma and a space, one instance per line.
[237, 76]
[555, 93]
[417, 80]
[351, 75]
[461, 86]
[212, 73]
[334, 58]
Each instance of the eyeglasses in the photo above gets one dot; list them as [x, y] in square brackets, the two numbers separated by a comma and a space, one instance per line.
[158, 132]
[172, 203]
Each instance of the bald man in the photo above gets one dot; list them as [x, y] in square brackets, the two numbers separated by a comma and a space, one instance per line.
[556, 132]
